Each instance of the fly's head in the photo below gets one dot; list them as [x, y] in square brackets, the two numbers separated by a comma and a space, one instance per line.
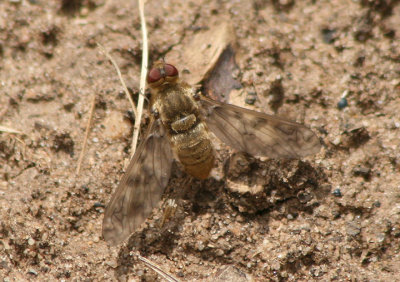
[162, 74]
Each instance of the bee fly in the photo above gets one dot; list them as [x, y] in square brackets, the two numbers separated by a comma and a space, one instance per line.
[180, 126]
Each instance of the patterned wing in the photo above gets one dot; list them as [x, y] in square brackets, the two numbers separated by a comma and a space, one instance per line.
[257, 133]
[141, 187]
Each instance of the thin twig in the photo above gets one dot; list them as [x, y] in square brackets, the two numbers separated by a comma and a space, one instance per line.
[158, 269]
[145, 56]
[128, 95]
[89, 122]
[9, 130]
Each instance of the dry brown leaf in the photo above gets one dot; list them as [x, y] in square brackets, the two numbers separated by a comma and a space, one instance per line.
[201, 54]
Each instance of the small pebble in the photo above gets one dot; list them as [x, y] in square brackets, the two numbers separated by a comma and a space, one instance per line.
[353, 229]
[337, 192]
[250, 98]
[381, 237]
[336, 214]
[337, 141]
[32, 271]
[98, 205]
[342, 103]
[362, 171]
[200, 246]
[328, 35]
[31, 242]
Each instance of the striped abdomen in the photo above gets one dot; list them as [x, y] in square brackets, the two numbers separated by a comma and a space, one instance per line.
[190, 139]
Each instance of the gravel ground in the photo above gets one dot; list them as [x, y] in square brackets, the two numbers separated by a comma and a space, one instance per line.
[332, 216]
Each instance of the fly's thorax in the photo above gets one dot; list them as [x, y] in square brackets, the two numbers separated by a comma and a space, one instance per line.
[177, 108]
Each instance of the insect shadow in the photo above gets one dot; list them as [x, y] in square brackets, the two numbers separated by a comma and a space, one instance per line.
[281, 189]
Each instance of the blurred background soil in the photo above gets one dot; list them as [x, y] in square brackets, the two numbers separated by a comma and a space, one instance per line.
[333, 216]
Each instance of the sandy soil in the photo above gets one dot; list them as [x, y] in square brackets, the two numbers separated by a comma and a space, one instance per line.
[333, 216]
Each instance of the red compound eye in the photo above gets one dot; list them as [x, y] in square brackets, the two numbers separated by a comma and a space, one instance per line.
[154, 75]
[170, 70]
